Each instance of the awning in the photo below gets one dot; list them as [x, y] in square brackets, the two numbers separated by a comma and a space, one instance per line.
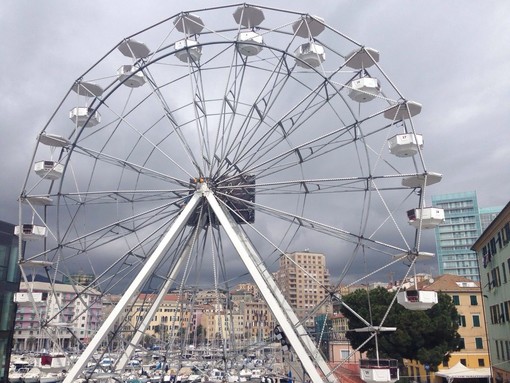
[459, 371]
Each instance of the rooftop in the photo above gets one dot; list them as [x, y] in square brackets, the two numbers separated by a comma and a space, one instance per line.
[450, 283]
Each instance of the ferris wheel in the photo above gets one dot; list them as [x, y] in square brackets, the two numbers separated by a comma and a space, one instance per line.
[206, 147]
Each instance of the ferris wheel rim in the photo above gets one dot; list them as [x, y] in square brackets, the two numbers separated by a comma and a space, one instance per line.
[169, 201]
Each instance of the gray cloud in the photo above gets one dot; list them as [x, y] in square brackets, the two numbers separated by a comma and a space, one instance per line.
[447, 56]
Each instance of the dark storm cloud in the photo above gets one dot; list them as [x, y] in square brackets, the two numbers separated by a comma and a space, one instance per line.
[447, 56]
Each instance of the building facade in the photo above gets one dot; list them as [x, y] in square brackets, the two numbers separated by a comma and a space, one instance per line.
[340, 349]
[9, 284]
[55, 305]
[170, 320]
[461, 228]
[304, 280]
[473, 352]
[258, 320]
[493, 252]
[487, 215]
[205, 319]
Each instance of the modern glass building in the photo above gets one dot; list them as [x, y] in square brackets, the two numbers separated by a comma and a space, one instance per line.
[9, 284]
[487, 215]
[461, 228]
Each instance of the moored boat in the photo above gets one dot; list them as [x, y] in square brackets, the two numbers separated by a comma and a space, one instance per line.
[25, 375]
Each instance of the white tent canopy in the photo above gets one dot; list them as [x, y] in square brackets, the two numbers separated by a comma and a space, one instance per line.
[459, 371]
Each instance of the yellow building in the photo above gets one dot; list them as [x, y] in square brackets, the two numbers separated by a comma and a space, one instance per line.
[467, 297]
[223, 325]
[169, 320]
[259, 321]
[250, 288]
[248, 320]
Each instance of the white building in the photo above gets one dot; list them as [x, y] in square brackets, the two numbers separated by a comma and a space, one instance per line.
[52, 312]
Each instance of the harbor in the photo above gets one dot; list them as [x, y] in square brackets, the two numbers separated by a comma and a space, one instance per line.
[196, 365]
[239, 193]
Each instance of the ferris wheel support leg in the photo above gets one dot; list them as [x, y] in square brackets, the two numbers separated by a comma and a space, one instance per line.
[140, 331]
[134, 288]
[299, 339]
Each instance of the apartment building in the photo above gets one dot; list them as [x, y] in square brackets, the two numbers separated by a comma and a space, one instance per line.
[473, 353]
[259, 321]
[57, 304]
[170, 319]
[340, 348]
[304, 280]
[493, 252]
[463, 224]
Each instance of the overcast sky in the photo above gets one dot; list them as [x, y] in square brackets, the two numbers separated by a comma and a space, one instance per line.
[452, 57]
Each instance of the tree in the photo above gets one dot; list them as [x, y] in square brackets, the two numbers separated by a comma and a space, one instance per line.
[426, 336]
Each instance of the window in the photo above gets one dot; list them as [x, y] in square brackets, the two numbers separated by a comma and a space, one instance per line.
[461, 344]
[456, 300]
[474, 300]
[476, 320]
[496, 280]
[492, 246]
[481, 362]
[463, 361]
[462, 320]
[495, 314]
[506, 233]
[479, 343]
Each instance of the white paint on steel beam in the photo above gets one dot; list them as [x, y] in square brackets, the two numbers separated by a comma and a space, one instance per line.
[137, 337]
[296, 334]
[134, 288]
